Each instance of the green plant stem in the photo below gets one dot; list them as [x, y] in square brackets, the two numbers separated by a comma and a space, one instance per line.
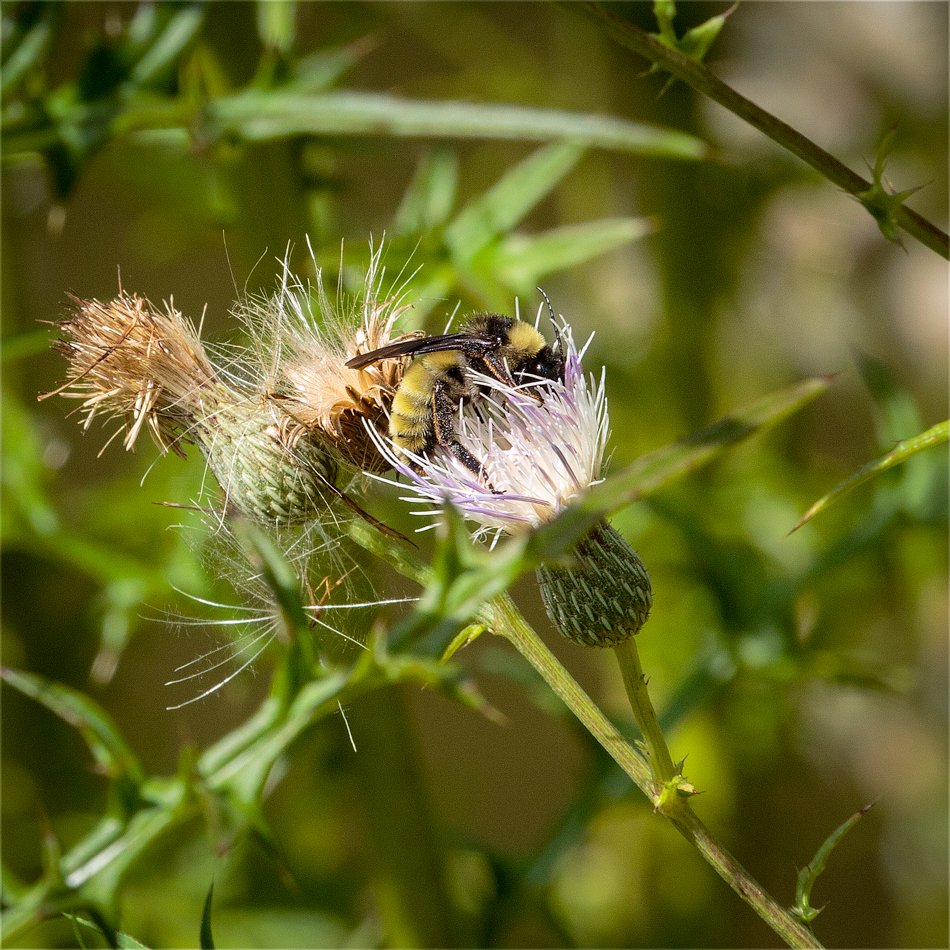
[408, 877]
[699, 77]
[635, 683]
[505, 619]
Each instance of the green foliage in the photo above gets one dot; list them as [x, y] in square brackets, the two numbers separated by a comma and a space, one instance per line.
[207, 936]
[902, 451]
[809, 874]
[498, 146]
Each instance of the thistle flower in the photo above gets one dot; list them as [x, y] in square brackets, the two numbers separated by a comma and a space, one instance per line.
[536, 458]
[128, 359]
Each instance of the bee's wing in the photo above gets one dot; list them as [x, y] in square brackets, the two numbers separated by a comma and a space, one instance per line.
[426, 344]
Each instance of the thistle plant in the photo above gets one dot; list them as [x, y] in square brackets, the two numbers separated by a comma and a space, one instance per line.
[542, 446]
[278, 422]
[145, 104]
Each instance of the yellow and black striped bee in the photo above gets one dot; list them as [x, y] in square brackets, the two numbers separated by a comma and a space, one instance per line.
[439, 377]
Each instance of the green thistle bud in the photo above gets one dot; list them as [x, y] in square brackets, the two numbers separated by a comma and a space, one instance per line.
[604, 597]
[264, 474]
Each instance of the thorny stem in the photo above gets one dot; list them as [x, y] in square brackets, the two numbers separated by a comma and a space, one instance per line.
[505, 619]
[699, 77]
[634, 681]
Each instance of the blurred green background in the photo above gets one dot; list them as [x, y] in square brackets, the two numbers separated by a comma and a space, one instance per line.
[803, 676]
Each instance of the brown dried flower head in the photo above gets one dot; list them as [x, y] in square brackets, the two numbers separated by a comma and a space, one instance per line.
[128, 359]
[150, 368]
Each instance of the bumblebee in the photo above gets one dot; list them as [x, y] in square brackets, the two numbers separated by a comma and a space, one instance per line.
[439, 378]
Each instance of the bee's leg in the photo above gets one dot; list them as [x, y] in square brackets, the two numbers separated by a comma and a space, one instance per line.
[446, 397]
[499, 369]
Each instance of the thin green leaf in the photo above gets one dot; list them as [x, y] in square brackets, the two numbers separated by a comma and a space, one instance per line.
[881, 201]
[936, 435]
[665, 13]
[522, 260]
[119, 939]
[165, 52]
[279, 576]
[256, 116]
[100, 733]
[77, 932]
[241, 762]
[430, 196]
[809, 874]
[320, 70]
[694, 43]
[515, 194]
[206, 937]
[276, 24]
[464, 637]
[25, 51]
[697, 42]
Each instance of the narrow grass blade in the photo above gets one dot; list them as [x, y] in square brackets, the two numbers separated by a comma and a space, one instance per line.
[936, 435]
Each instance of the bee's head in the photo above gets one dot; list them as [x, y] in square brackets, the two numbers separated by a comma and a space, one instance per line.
[547, 363]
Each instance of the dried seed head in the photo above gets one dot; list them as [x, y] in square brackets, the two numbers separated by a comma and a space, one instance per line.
[128, 359]
[305, 340]
[148, 367]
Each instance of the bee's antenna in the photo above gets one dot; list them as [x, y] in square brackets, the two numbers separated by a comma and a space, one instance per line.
[557, 333]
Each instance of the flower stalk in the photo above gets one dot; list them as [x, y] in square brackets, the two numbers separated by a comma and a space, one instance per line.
[635, 683]
[504, 619]
[700, 78]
